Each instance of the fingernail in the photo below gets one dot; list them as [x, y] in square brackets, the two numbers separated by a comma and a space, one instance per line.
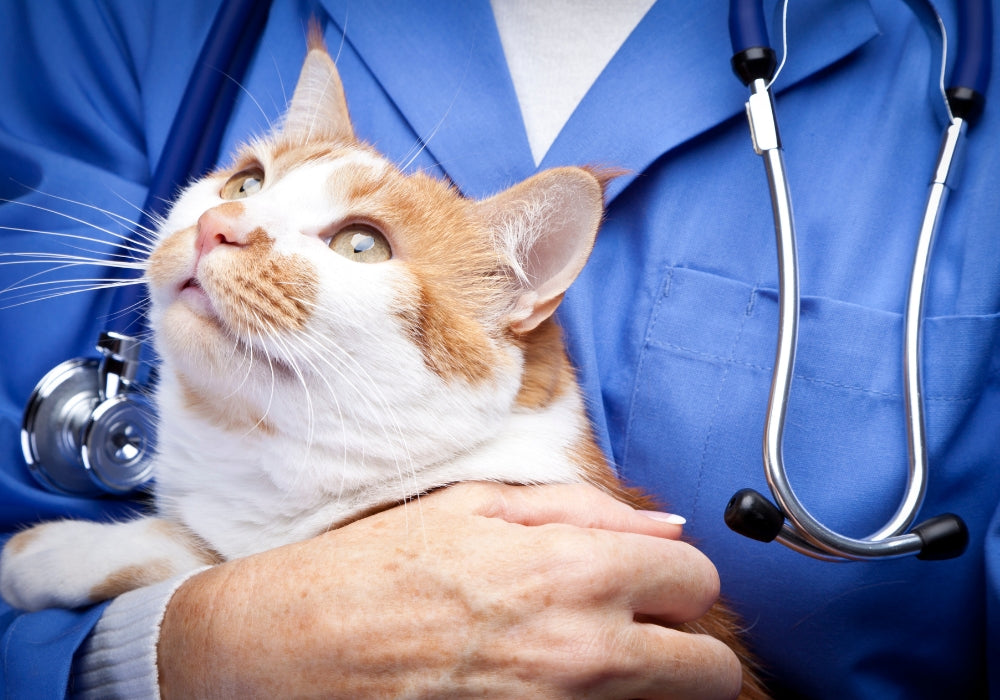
[671, 518]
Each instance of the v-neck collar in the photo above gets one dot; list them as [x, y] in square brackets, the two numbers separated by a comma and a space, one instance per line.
[446, 73]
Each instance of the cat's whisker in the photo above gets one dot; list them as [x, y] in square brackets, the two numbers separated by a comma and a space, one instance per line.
[307, 342]
[135, 226]
[371, 389]
[310, 406]
[143, 249]
[147, 234]
[87, 282]
[124, 241]
[424, 141]
[247, 361]
[238, 84]
[66, 292]
[139, 308]
[289, 357]
[343, 37]
[380, 408]
[67, 259]
[270, 398]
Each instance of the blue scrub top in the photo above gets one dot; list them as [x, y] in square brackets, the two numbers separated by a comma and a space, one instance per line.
[672, 322]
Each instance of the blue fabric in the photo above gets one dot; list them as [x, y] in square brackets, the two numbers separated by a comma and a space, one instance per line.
[672, 322]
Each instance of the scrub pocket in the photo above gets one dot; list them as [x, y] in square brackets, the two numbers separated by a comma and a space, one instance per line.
[701, 388]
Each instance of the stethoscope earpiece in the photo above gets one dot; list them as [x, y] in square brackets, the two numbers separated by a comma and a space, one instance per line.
[944, 537]
[751, 515]
[87, 429]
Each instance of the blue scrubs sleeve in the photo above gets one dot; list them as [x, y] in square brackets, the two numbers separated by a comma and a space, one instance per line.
[37, 649]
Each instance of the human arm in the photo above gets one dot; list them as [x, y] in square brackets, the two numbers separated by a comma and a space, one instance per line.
[521, 591]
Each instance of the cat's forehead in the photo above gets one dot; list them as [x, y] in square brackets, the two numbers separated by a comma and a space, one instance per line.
[279, 157]
[357, 180]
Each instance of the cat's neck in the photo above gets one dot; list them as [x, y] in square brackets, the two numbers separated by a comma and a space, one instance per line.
[245, 486]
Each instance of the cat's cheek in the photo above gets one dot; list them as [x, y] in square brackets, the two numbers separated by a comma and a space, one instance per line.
[170, 265]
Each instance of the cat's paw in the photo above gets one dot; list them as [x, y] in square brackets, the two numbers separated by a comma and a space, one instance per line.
[70, 563]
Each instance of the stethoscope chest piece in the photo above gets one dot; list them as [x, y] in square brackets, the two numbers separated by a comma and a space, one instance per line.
[87, 429]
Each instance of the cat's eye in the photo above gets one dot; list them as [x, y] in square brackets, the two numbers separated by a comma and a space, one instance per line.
[243, 184]
[360, 243]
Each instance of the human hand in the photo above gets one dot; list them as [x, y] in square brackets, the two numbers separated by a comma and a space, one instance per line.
[478, 590]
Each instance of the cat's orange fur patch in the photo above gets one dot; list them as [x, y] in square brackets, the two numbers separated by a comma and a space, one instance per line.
[231, 209]
[452, 346]
[451, 257]
[258, 291]
[19, 542]
[131, 577]
[175, 530]
[232, 416]
[597, 472]
[547, 373]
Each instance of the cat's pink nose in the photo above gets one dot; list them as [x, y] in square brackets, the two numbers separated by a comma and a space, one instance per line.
[217, 227]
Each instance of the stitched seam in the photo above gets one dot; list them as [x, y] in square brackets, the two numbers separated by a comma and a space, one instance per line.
[664, 292]
[718, 401]
[990, 376]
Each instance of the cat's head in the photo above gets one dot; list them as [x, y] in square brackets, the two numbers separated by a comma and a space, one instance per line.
[312, 275]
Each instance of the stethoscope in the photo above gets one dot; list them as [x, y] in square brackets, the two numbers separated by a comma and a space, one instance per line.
[748, 512]
[88, 428]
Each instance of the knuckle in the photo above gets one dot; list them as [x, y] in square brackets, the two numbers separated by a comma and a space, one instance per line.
[702, 580]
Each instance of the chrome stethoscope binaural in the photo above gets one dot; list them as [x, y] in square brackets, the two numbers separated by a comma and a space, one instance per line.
[790, 523]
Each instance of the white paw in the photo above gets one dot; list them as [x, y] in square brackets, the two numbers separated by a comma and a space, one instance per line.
[70, 563]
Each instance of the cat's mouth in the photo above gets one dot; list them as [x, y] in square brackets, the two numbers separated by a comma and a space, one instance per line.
[193, 295]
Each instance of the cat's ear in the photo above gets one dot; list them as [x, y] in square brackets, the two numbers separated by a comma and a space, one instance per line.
[546, 227]
[318, 108]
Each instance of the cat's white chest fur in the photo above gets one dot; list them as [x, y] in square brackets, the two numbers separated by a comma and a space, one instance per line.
[332, 456]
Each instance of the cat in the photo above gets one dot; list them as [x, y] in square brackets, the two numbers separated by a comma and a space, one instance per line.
[337, 337]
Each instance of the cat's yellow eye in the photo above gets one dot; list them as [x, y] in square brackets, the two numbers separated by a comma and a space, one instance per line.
[360, 243]
[243, 184]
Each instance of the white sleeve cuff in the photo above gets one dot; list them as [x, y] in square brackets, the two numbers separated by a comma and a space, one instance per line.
[118, 659]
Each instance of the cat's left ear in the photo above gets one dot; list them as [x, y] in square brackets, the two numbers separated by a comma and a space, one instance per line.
[318, 109]
[546, 226]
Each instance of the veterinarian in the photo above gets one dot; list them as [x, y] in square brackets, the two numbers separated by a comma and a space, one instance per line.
[672, 324]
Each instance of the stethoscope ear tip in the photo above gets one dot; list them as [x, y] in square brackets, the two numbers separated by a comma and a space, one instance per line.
[943, 536]
[749, 514]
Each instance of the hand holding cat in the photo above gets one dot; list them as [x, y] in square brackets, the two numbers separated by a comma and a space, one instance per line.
[479, 589]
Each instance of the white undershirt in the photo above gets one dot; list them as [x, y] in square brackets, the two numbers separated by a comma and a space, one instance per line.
[555, 50]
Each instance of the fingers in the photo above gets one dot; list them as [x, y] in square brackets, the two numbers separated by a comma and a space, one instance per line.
[612, 552]
[666, 663]
[581, 505]
[669, 580]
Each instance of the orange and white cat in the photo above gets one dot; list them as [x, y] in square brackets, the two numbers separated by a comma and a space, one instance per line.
[337, 337]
